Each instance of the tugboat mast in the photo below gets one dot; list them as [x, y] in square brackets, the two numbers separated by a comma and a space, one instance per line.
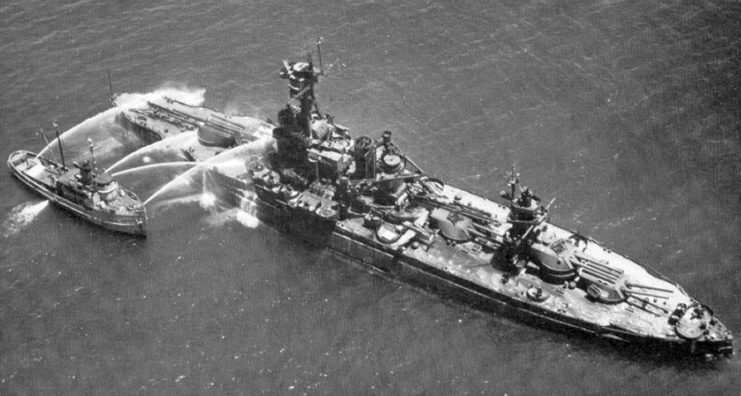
[46, 140]
[59, 142]
[92, 154]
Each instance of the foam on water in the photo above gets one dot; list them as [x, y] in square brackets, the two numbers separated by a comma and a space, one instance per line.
[246, 219]
[21, 216]
[225, 216]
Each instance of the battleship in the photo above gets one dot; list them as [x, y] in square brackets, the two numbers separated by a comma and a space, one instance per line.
[366, 201]
[94, 197]
[163, 117]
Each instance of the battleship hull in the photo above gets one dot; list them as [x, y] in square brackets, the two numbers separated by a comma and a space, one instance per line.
[422, 275]
[139, 127]
[38, 174]
[485, 299]
[466, 278]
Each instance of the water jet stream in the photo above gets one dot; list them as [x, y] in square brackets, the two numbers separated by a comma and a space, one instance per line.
[234, 158]
[152, 166]
[177, 142]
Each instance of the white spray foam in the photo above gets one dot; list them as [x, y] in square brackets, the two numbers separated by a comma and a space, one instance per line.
[246, 214]
[248, 220]
[21, 216]
[223, 217]
[191, 96]
[208, 200]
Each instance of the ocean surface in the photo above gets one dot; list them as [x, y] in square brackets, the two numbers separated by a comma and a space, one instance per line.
[627, 112]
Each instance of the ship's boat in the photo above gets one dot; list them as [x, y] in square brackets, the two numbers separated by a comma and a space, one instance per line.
[95, 197]
[365, 200]
[216, 131]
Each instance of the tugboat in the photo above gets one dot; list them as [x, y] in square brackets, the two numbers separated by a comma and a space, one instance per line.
[164, 117]
[366, 201]
[92, 196]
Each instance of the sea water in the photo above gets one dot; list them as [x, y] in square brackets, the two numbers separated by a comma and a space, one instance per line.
[626, 112]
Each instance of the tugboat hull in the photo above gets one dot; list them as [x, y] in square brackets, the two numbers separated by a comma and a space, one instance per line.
[37, 174]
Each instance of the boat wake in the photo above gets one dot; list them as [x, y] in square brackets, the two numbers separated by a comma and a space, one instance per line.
[21, 216]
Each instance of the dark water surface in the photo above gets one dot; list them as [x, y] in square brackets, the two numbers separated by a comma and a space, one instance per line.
[628, 112]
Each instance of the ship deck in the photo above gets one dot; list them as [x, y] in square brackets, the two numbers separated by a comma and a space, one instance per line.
[470, 266]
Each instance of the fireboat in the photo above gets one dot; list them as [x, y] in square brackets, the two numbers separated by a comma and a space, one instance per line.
[90, 195]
